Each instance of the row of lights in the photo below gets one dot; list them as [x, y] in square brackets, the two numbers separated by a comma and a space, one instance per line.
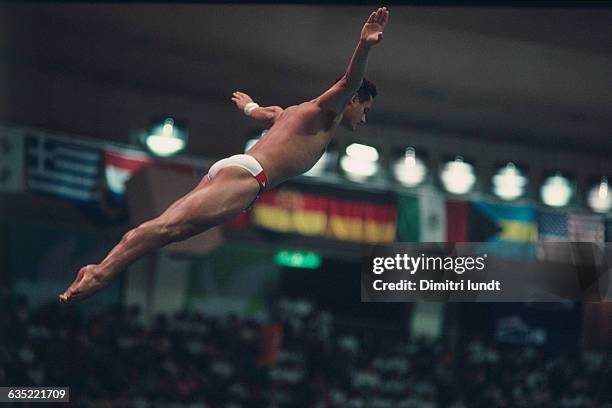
[361, 162]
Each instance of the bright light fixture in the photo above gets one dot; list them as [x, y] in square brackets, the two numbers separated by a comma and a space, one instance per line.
[362, 152]
[410, 170]
[360, 162]
[556, 191]
[166, 139]
[458, 176]
[600, 197]
[509, 183]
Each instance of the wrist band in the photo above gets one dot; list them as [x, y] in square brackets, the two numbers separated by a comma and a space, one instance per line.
[249, 108]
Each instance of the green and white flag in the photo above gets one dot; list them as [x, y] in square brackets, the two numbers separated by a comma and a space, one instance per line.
[422, 217]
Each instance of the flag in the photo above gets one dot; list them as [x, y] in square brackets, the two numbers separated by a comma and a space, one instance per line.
[291, 210]
[66, 169]
[457, 220]
[567, 227]
[574, 227]
[507, 230]
[552, 227]
[361, 221]
[502, 223]
[11, 160]
[422, 218]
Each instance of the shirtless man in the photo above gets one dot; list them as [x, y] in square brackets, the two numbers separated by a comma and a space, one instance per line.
[296, 140]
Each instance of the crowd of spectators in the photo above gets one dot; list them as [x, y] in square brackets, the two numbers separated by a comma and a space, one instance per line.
[112, 359]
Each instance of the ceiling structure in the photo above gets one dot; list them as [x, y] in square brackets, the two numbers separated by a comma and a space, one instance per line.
[526, 76]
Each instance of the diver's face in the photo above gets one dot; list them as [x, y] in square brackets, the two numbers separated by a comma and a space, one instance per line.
[355, 112]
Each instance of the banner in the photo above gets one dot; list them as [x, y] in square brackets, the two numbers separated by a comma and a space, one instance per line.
[63, 169]
[293, 211]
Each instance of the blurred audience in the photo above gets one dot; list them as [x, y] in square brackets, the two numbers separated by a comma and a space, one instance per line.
[195, 361]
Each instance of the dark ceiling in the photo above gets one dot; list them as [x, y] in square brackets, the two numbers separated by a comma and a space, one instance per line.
[535, 76]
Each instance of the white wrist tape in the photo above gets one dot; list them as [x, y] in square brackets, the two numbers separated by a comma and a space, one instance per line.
[249, 108]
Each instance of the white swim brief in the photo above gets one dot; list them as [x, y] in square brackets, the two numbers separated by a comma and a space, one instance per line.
[249, 163]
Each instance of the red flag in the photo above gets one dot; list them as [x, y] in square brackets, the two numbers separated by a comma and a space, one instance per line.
[456, 220]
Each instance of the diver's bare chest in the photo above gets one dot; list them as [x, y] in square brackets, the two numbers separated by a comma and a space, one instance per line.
[308, 119]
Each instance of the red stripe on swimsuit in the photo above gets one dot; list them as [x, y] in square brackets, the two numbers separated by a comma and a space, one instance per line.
[262, 179]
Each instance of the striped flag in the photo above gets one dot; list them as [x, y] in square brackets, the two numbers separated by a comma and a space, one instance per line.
[361, 221]
[567, 227]
[290, 210]
[66, 169]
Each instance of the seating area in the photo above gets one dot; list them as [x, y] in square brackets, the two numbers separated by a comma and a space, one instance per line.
[198, 361]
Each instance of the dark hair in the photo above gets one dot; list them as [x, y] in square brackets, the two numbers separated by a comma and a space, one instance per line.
[366, 91]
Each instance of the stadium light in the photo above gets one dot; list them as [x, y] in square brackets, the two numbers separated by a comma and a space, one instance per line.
[556, 191]
[458, 176]
[509, 183]
[409, 170]
[599, 196]
[360, 162]
[165, 138]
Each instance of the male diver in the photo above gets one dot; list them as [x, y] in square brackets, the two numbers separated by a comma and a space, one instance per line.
[297, 138]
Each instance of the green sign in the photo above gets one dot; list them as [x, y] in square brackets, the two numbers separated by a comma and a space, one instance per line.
[298, 259]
